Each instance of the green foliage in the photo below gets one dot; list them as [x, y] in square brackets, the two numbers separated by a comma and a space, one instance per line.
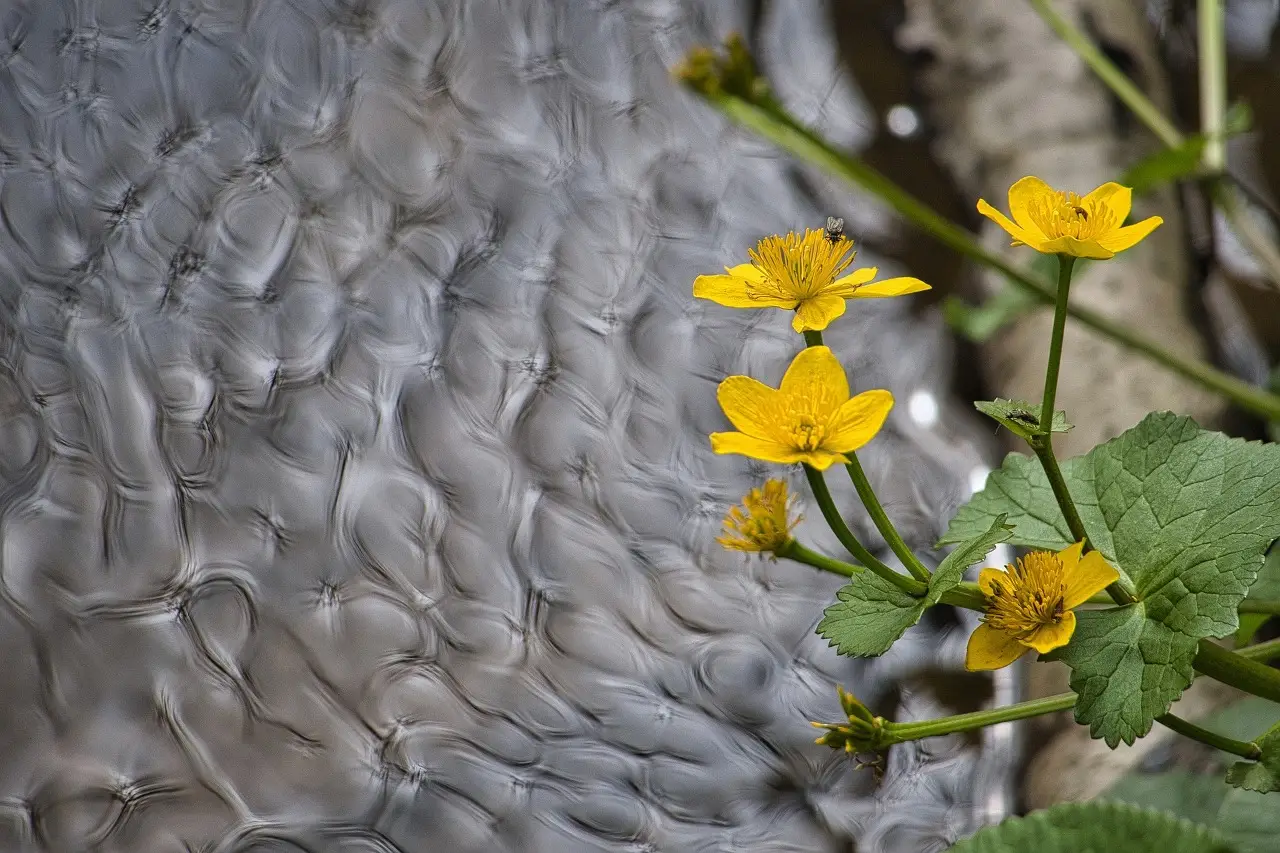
[1174, 164]
[1185, 515]
[1262, 775]
[1265, 588]
[1247, 819]
[870, 614]
[1096, 827]
[1020, 417]
[979, 322]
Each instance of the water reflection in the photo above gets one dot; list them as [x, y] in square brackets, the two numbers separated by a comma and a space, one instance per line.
[355, 491]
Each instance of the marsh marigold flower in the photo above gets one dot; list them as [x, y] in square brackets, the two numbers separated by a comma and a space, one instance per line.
[802, 273]
[808, 418]
[1056, 222]
[1029, 605]
[763, 522]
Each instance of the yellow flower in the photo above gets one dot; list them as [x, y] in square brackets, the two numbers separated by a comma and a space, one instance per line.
[800, 273]
[761, 523]
[1064, 223]
[808, 418]
[1029, 605]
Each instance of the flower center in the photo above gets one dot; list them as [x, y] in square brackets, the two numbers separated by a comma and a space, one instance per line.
[1069, 215]
[807, 432]
[762, 522]
[1031, 594]
[799, 267]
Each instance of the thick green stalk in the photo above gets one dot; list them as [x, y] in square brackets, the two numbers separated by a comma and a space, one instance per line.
[793, 550]
[1222, 742]
[1065, 263]
[1210, 25]
[1270, 650]
[881, 519]
[1042, 441]
[1237, 670]
[822, 495]
[783, 130]
[902, 732]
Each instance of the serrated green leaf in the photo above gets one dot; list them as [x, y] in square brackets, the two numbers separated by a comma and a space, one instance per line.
[1020, 417]
[1126, 669]
[1096, 827]
[870, 614]
[1185, 514]
[1262, 775]
[951, 570]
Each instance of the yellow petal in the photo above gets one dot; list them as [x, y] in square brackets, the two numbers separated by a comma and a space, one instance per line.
[1116, 198]
[1092, 574]
[846, 285]
[750, 272]
[1019, 234]
[751, 406]
[857, 421]
[1070, 556]
[822, 459]
[1046, 638]
[815, 373]
[1127, 237]
[1025, 194]
[734, 291]
[764, 449]
[1078, 248]
[991, 649]
[892, 287]
[987, 579]
[816, 312]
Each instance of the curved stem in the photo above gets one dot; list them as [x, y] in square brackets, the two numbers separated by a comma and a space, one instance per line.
[1238, 670]
[822, 495]
[881, 519]
[1261, 651]
[1259, 605]
[793, 550]
[966, 594]
[1189, 729]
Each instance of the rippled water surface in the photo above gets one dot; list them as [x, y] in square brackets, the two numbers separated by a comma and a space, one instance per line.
[354, 484]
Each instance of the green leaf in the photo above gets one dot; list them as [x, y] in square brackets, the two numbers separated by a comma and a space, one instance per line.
[1262, 775]
[1165, 166]
[870, 614]
[1195, 796]
[1126, 669]
[1238, 119]
[979, 322]
[1096, 827]
[1186, 515]
[1021, 418]
[1265, 588]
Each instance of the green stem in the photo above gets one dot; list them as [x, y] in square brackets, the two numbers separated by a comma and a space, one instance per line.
[1259, 605]
[812, 338]
[881, 519]
[1065, 263]
[1115, 79]
[793, 550]
[1210, 24]
[1189, 729]
[965, 594]
[783, 130]
[818, 484]
[1261, 651]
[1238, 670]
[902, 732]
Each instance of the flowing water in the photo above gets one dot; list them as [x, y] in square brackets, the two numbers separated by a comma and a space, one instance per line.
[354, 484]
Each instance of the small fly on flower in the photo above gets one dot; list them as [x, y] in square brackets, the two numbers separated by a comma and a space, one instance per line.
[834, 232]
